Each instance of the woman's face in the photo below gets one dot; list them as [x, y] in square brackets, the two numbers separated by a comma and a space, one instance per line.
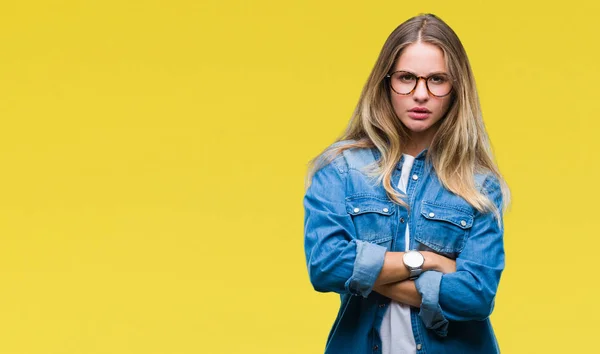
[420, 111]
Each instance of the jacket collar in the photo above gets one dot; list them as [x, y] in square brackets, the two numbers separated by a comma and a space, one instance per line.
[420, 156]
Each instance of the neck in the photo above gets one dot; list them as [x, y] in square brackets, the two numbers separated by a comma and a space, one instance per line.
[415, 146]
[419, 141]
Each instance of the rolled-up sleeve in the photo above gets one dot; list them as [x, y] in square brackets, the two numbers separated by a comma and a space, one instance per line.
[428, 286]
[337, 261]
[467, 294]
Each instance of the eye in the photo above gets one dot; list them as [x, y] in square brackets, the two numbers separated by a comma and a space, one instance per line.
[438, 79]
[405, 77]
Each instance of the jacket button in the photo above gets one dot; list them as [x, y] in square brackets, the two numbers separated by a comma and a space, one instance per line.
[463, 223]
[356, 210]
[381, 305]
[432, 215]
[419, 346]
[375, 347]
[415, 177]
[402, 220]
[385, 210]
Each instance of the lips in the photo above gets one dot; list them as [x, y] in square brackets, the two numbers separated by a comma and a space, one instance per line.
[419, 113]
[419, 110]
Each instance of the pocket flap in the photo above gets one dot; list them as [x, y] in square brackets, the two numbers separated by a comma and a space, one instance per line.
[455, 216]
[369, 204]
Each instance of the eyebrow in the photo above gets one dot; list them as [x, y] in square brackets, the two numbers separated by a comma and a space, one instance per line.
[431, 73]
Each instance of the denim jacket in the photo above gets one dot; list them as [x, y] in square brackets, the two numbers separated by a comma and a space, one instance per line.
[350, 224]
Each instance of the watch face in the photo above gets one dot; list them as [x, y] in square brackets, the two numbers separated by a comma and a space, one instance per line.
[413, 259]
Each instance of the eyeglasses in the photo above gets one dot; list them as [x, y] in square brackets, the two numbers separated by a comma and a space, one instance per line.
[405, 83]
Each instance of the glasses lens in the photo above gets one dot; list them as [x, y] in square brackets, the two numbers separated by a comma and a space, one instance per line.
[403, 82]
[439, 85]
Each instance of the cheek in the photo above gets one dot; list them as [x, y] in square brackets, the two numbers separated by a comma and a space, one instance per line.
[400, 103]
[444, 105]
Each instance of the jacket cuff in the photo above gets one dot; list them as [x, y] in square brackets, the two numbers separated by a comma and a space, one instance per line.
[428, 285]
[367, 266]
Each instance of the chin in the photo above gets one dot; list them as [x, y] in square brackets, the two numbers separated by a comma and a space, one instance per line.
[417, 127]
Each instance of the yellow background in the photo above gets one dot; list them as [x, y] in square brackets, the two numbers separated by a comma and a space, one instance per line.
[152, 156]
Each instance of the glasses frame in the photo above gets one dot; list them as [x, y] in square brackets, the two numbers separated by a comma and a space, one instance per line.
[426, 78]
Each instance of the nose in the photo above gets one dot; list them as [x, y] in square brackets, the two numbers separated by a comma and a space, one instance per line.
[421, 93]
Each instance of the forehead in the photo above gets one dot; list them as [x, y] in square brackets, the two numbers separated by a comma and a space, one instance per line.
[422, 59]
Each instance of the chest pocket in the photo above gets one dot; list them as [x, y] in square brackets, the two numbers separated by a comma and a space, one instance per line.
[372, 217]
[443, 228]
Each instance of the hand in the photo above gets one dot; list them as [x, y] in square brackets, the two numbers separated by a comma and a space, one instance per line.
[434, 261]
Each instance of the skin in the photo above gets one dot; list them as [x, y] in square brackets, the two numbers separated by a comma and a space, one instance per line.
[393, 280]
[421, 59]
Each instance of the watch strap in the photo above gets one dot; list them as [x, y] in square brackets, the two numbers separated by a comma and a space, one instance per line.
[414, 273]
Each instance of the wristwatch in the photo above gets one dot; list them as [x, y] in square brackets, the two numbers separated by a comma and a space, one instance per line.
[413, 261]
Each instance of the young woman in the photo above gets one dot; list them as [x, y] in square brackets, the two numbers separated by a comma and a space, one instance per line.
[403, 214]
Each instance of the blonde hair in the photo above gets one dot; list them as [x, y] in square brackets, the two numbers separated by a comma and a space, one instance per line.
[460, 147]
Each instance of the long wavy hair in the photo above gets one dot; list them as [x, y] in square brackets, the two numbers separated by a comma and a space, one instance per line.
[460, 147]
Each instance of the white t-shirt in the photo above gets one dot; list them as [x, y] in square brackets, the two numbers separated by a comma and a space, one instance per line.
[396, 328]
